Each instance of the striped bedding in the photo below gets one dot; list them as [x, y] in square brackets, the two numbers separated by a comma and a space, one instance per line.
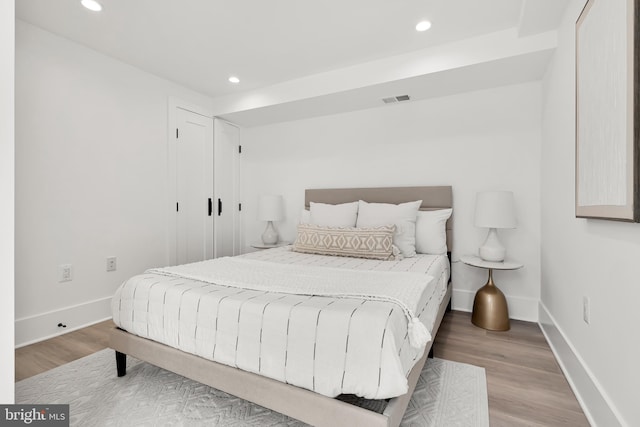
[328, 345]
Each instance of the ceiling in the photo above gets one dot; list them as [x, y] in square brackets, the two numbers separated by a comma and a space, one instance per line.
[200, 43]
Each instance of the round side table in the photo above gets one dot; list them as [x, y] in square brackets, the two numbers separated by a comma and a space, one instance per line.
[260, 245]
[490, 309]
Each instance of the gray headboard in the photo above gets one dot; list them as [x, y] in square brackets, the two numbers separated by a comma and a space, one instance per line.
[436, 197]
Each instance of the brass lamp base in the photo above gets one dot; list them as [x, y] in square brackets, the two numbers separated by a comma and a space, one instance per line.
[490, 310]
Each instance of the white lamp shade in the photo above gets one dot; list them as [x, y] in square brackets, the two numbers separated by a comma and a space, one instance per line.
[495, 209]
[270, 208]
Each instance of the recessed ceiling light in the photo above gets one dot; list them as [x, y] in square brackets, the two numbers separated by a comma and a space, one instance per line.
[234, 79]
[92, 5]
[423, 26]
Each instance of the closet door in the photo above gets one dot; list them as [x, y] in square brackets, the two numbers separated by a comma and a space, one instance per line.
[194, 166]
[227, 188]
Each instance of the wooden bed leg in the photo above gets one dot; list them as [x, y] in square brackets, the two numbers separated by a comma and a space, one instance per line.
[449, 306]
[121, 364]
[430, 355]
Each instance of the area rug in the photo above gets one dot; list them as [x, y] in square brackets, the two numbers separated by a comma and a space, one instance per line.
[447, 394]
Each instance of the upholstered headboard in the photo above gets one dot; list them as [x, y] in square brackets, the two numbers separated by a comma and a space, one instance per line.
[436, 197]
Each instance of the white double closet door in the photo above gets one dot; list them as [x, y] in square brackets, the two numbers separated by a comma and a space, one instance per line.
[227, 207]
[207, 206]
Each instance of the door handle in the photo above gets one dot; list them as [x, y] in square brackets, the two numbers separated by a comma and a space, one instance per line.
[210, 206]
[219, 207]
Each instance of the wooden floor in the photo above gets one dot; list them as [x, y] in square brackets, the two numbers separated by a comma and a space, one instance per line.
[525, 384]
[36, 358]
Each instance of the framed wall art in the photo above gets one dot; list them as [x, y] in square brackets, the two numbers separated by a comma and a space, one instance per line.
[606, 103]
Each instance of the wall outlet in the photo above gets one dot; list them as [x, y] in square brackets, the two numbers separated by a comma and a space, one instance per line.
[111, 263]
[586, 310]
[65, 273]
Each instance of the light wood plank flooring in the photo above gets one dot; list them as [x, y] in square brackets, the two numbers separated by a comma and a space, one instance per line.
[40, 357]
[525, 384]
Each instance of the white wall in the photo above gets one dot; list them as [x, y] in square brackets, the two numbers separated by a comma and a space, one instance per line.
[580, 257]
[7, 43]
[91, 178]
[475, 141]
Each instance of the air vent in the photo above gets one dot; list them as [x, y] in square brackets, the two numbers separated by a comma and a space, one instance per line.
[399, 98]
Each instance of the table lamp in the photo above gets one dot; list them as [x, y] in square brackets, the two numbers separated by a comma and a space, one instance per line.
[494, 209]
[270, 208]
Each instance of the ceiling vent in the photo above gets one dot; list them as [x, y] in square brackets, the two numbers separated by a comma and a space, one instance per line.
[393, 99]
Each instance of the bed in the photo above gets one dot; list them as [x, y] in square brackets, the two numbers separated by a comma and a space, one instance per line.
[251, 330]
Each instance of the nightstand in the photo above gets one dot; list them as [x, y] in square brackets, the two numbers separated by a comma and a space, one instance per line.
[260, 245]
[490, 309]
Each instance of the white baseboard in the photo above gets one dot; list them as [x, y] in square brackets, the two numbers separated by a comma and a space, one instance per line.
[519, 308]
[595, 403]
[32, 329]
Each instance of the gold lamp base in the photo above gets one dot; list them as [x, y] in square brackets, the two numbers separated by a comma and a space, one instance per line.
[490, 310]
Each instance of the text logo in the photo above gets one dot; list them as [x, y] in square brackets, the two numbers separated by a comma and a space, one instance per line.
[34, 415]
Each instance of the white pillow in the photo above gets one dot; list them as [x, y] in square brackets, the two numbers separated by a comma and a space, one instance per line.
[305, 217]
[343, 215]
[402, 215]
[431, 231]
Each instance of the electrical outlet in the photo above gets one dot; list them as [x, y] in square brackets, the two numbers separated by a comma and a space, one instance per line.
[586, 310]
[111, 263]
[65, 273]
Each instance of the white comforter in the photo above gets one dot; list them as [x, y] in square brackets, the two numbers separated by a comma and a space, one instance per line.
[331, 345]
[402, 289]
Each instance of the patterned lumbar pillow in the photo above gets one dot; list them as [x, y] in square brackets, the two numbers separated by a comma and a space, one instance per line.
[369, 242]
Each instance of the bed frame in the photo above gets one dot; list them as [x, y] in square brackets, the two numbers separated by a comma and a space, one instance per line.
[298, 403]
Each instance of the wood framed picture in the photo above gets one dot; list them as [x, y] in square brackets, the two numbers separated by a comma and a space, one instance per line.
[606, 102]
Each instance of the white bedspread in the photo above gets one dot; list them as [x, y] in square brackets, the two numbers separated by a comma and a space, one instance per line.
[331, 345]
[402, 289]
